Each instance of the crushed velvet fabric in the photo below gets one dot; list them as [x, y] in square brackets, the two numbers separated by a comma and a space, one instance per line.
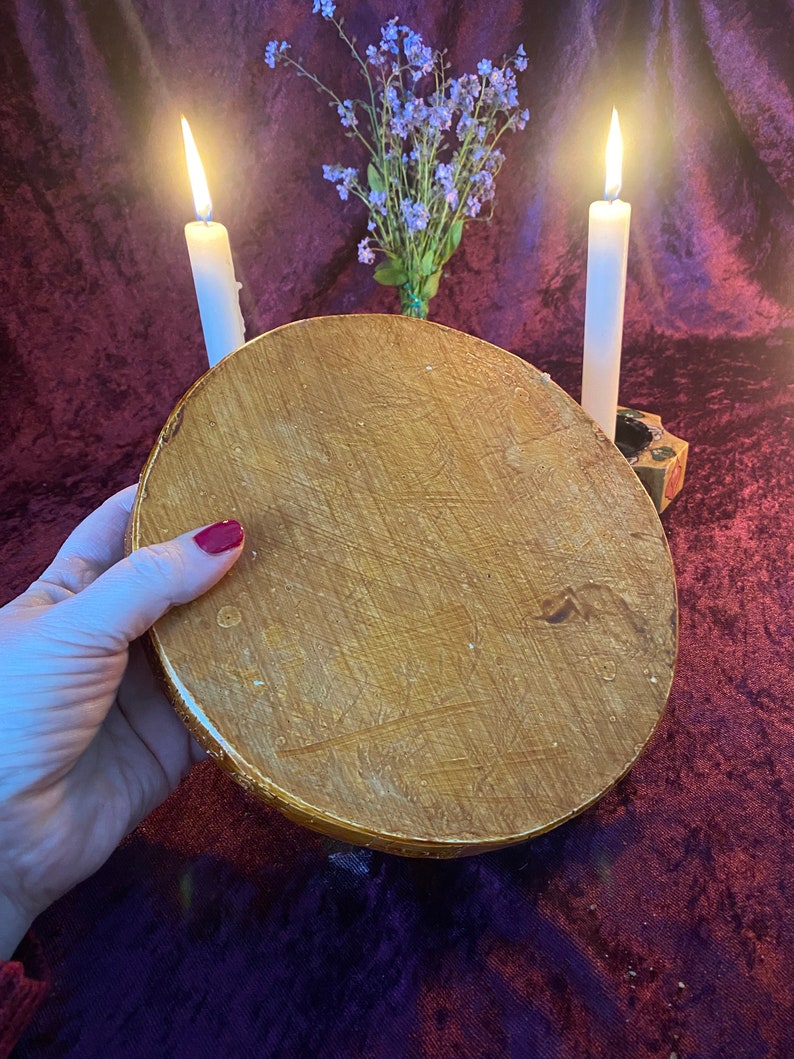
[23, 987]
[659, 922]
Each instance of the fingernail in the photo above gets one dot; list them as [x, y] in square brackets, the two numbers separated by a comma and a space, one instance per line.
[220, 537]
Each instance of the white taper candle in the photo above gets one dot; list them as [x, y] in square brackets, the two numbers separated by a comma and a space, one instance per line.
[217, 289]
[607, 256]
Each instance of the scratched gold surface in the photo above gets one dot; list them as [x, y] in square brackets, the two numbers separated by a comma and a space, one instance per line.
[454, 623]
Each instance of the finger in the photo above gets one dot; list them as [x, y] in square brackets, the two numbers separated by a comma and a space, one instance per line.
[94, 546]
[122, 603]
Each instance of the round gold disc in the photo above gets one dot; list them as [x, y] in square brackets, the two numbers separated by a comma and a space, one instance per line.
[454, 622]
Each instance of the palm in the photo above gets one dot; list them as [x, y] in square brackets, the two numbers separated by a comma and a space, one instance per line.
[125, 767]
[88, 743]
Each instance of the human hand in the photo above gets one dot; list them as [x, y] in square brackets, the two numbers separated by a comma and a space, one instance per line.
[89, 745]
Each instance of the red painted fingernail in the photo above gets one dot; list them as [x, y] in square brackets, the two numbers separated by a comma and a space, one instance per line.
[220, 537]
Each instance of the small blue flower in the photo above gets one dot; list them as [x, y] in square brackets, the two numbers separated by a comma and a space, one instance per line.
[416, 112]
[405, 117]
[445, 174]
[495, 160]
[377, 199]
[484, 180]
[472, 206]
[398, 127]
[272, 52]
[445, 177]
[325, 8]
[347, 114]
[366, 254]
[463, 92]
[521, 58]
[389, 35]
[464, 122]
[501, 92]
[415, 214]
[484, 67]
[345, 176]
[392, 98]
[440, 116]
[419, 56]
[375, 56]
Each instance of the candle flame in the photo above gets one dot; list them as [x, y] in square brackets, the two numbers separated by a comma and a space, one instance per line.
[614, 159]
[198, 179]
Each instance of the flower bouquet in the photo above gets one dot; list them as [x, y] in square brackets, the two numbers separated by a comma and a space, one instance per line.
[431, 144]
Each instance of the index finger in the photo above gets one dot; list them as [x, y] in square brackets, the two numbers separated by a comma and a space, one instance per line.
[95, 545]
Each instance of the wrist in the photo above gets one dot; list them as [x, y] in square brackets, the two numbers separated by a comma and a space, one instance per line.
[14, 925]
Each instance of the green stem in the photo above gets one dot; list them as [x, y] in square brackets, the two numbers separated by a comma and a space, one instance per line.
[354, 131]
[411, 302]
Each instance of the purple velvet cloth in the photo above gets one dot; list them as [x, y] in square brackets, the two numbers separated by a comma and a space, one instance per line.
[659, 921]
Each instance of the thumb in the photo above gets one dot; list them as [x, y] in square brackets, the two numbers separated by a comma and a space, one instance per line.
[122, 603]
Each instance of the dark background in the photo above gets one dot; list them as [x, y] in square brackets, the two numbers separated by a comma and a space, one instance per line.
[658, 922]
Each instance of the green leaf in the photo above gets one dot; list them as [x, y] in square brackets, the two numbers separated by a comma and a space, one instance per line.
[390, 275]
[452, 241]
[427, 265]
[430, 286]
[376, 181]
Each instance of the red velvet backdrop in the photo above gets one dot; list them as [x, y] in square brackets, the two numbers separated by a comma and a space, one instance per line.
[658, 922]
